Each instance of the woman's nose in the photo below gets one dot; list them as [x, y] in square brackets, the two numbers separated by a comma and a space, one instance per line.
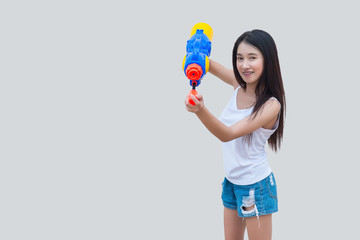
[245, 64]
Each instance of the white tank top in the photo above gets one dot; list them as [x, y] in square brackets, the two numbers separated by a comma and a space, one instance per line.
[245, 162]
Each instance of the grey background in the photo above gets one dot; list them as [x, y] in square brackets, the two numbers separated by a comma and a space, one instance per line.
[95, 141]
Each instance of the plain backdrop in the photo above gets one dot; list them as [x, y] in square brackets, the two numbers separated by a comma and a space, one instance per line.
[95, 141]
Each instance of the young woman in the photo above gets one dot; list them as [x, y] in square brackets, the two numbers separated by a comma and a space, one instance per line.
[253, 116]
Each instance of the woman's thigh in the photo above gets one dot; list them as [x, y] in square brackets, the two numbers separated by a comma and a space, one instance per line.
[234, 226]
[259, 229]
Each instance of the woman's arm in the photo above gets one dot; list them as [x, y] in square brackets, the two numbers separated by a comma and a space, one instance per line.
[224, 133]
[225, 74]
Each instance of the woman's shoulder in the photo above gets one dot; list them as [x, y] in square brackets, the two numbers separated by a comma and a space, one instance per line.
[274, 100]
[273, 104]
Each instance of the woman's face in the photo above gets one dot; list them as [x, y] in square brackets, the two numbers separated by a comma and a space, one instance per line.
[250, 63]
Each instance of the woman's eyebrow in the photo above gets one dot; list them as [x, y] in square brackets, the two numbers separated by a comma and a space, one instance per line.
[239, 54]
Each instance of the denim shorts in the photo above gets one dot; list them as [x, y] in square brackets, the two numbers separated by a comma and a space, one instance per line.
[260, 197]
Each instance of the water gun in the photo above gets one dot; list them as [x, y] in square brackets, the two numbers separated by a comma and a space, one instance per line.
[196, 61]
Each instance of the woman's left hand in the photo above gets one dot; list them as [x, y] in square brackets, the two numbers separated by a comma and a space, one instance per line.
[199, 103]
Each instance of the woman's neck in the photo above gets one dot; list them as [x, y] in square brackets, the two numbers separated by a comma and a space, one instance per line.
[250, 90]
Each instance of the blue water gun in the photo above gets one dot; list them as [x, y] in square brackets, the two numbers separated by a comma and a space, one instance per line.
[196, 61]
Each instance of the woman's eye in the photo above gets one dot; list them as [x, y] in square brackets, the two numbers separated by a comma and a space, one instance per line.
[240, 58]
[252, 58]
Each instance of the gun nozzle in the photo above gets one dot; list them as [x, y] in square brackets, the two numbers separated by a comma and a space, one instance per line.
[194, 71]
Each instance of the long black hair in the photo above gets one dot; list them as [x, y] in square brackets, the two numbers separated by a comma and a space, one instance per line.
[270, 83]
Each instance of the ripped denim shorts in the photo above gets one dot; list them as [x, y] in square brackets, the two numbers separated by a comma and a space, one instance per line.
[251, 200]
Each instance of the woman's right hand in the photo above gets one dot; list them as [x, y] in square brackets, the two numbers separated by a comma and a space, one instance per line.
[198, 103]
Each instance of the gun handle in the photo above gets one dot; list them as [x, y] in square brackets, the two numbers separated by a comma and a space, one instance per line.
[192, 92]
